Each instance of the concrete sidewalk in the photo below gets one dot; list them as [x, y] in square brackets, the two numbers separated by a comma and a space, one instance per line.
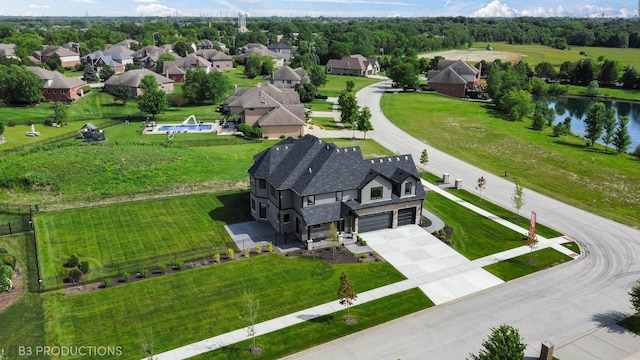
[429, 264]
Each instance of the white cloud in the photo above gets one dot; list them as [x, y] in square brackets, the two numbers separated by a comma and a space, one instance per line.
[495, 9]
[35, 6]
[145, 1]
[83, 1]
[157, 10]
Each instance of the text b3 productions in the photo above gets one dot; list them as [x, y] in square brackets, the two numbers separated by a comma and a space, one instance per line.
[65, 351]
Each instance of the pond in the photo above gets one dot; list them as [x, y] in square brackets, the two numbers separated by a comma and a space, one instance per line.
[578, 107]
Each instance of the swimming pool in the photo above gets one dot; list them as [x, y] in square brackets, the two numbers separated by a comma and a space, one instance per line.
[183, 127]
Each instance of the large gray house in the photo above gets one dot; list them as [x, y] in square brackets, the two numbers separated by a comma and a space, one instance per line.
[301, 186]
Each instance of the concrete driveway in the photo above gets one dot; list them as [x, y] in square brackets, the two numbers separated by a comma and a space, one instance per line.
[418, 255]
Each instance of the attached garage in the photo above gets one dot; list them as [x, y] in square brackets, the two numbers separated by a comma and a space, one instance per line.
[406, 216]
[375, 222]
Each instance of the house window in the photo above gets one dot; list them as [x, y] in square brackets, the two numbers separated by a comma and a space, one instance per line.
[311, 200]
[376, 193]
[338, 195]
[408, 188]
[262, 183]
[253, 204]
[286, 218]
[272, 190]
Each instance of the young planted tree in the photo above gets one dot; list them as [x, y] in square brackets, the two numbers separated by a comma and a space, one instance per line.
[517, 198]
[424, 158]
[60, 112]
[634, 296]
[152, 100]
[481, 185]
[146, 341]
[251, 317]
[594, 123]
[621, 138]
[609, 125]
[318, 76]
[347, 294]
[332, 237]
[364, 120]
[106, 72]
[532, 242]
[504, 343]
[348, 107]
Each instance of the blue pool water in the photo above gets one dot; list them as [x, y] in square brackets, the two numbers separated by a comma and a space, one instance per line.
[183, 127]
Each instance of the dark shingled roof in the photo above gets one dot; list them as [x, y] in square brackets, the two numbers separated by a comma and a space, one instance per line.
[321, 214]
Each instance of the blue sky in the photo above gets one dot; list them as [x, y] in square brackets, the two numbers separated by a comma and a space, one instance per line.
[331, 8]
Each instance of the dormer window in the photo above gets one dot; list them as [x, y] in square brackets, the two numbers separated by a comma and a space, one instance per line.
[311, 200]
[408, 188]
[376, 193]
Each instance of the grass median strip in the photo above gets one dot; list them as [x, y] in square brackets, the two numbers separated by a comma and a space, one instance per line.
[527, 264]
[325, 328]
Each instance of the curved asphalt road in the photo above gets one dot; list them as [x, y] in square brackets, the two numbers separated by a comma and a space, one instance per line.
[557, 305]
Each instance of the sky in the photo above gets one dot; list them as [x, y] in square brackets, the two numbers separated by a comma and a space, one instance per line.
[327, 8]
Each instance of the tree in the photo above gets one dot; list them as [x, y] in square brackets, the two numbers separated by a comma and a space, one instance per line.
[251, 317]
[609, 126]
[593, 89]
[481, 185]
[54, 62]
[318, 76]
[621, 137]
[532, 242]
[629, 78]
[350, 85]
[609, 73]
[546, 70]
[146, 341]
[106, 72]
[364, 120]
[332, 237]
[182, 49]
[537, 123]
[6, 274]
[196, 86]
[594, 123]
[424, 158]
[60, 111]
[404, 75]
[161, 59]
[517, 104]
[517, 198]
[19, 86]
[258, 65]
[152, 100]
[634, 295]
[347, 293]
[348, 107]
[504, 343]
[89, 74]
[306, 92]
[563, 128]
[219, 85]
[121, 92]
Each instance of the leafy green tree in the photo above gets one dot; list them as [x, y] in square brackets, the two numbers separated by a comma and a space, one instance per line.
[517, 198]
[517, 104]
[629, 78]
[152, 100]
[609, 126]
[60, 112]
[504, 343]
[621, 137]
[594, 122]
[196, 86]
[546, 70]
[347, 293]
[19, 86]
[537, 123]
[424, 158]
[121, 92]
[349, 86]
[161, 59]
[563, 128]
[593, 89]
[348, 107]
[106, 72]
[318, 77]
[404, 74]
[583, 72]
[481, 184]
[182, 49]
[54, 62]
[609, 73]
[219, 85]
[364, 120]
[306, 92]
[634, 296]
[254, 65]
[6, 274]
[89, 74]
[636, 152]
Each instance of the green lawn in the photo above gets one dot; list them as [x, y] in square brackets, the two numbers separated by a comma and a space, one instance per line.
[516, 267]
[196, 304]
[127, 232]
[563, 168]
[324, 123]
[325, 328]
[320, 105]
[522, 220]
[23, 324]
[369, 148]
[474, 235]
[337, 83]
[607, 93]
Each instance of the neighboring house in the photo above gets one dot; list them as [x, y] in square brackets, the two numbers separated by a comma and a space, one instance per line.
[283, 49]
[8, 51]
[355, 65]
[127, 43]
[115, 56]
[276, 111]
[75, 47]
[302, 186]
[57, 87]
[218, 59]
[176, 70]
[132, 80]
[148, 56]
[454, 78]
[253, 48]
[68, 58]
[286, 77]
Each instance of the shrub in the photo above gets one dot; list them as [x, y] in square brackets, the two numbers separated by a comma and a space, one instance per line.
[11, 124]
[162, 268]
[247, 253]
[258, 249]
[636, 152]
[180, 265]
[86, 89]
[282, 137]
[3, 251]
[270, 247]
[230, 253]
[8, 259]
[73, 261]
[126, 276]
[84, 266]
[6, 273]
[74, 275]
[106, 282]
[48, 122]
[144, 273]
[217, 258]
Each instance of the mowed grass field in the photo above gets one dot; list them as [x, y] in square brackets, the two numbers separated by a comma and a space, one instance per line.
[193, 305]
[108, 235]
[590, 178]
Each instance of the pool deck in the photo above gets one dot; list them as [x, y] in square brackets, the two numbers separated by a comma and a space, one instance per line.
[153, 130]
